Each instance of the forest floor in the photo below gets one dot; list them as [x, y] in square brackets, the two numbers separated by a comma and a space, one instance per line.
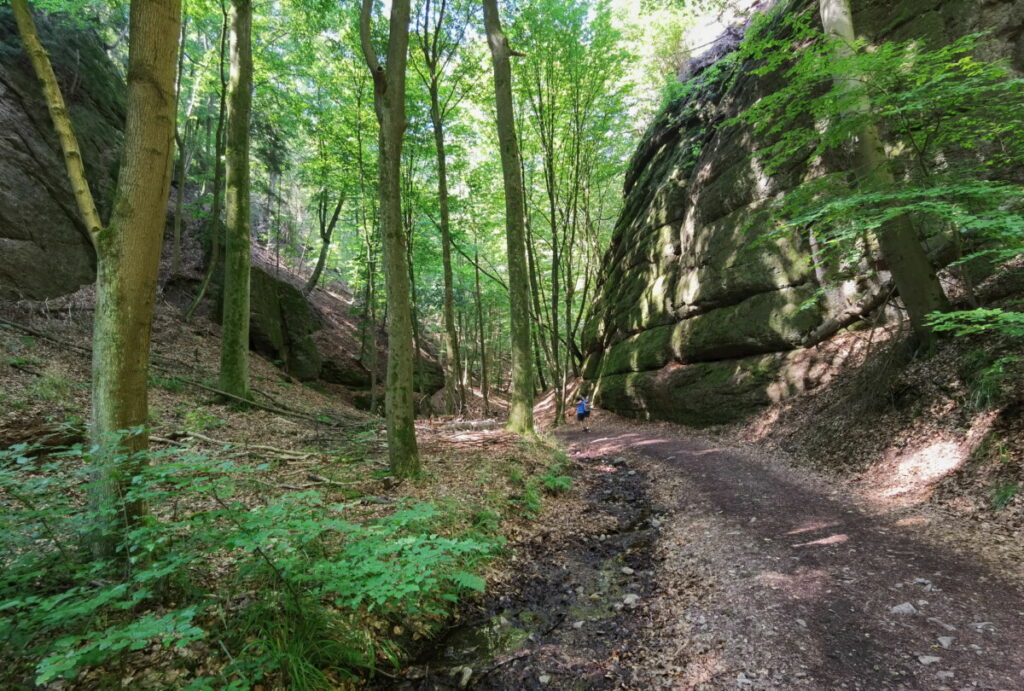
[678, 562]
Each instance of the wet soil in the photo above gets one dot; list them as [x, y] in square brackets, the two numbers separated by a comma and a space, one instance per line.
[567, 614]
[683, 564]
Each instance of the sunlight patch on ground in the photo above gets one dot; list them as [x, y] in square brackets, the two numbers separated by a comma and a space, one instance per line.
[926, 465]
[911, 521]
[802, 584]
[907, 476]
[836, 539]
[810, 526]
[652, 442]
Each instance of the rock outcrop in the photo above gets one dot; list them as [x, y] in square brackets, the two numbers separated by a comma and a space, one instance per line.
[44, 249]
[316, 336]
[694, 321]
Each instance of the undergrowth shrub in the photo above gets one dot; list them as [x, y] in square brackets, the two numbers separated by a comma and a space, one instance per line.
[289, 590]
[1003, 493]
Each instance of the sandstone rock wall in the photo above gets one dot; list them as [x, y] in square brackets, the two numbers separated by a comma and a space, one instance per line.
[44, 250]
[693, 321]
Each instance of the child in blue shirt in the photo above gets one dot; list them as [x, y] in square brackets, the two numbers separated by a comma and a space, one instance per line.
[583, 412]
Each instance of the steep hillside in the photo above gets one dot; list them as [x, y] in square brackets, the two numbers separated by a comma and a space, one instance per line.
[46, 254]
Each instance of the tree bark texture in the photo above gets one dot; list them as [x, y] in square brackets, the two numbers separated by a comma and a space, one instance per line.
[521, 398]
[326, 233]
[213, 228]
[234, 351]
[912, 272]
[60, 117]
[389, 100]
[128, 249]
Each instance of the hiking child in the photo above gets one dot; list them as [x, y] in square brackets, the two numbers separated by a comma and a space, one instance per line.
[583, 412]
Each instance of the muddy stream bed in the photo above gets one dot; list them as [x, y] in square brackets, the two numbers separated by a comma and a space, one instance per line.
[566, 617]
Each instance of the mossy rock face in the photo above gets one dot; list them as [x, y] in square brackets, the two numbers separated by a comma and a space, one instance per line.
[45, 248]
[696, 303]
[701, 394]
[347, 372]
[281, 325]
[770, 322]
[432, 375]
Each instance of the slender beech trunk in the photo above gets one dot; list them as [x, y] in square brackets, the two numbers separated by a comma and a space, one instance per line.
[912, 272]
[326, 233]
[520, 417]
[455, 391]
[417, 346]
[543, 103]
[436, 46]
[127, 250]
[389, 102]
[214, 227]
[538, 340]
[179, 144]
[234, 350]
[483, 344]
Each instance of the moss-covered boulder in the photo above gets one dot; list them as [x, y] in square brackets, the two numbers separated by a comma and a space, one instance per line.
[711, 393]
[281, 325]
[768, 322]
[44, 245]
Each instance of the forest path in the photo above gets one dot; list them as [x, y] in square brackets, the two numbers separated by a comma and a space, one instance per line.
[676, 563]
[764, 576]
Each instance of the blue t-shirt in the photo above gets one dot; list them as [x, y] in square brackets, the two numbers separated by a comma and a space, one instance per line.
[581, 407]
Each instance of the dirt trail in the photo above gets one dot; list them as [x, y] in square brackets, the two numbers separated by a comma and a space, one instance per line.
[804, 586]
[680, 564]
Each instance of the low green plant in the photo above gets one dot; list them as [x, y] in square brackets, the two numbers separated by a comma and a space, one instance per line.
[988, 377]
[168, 383]
[1003, 493]
[200, 420]
[530, 499]
[309, 579]
[1008, 324]
[555, 481]
[52, 387]
[556, 484]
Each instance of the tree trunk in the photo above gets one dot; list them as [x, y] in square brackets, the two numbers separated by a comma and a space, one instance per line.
[234, 350]
[520, 417]
[128, 250]
[912, 272]
[389, 101]
[483, 344]
[326, 233]
[417, 346]
[455, 392]
[214, 226]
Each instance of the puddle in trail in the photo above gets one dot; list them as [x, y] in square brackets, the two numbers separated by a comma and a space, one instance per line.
[560, 620]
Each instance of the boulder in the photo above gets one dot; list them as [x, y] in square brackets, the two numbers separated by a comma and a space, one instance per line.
[281, 325]
[43, 242]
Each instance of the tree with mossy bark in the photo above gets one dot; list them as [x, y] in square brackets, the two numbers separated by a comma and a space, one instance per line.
[389, 101]
[127, 249]
[520, 418]
[912, 272]
[234, 349]
[838, 94]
